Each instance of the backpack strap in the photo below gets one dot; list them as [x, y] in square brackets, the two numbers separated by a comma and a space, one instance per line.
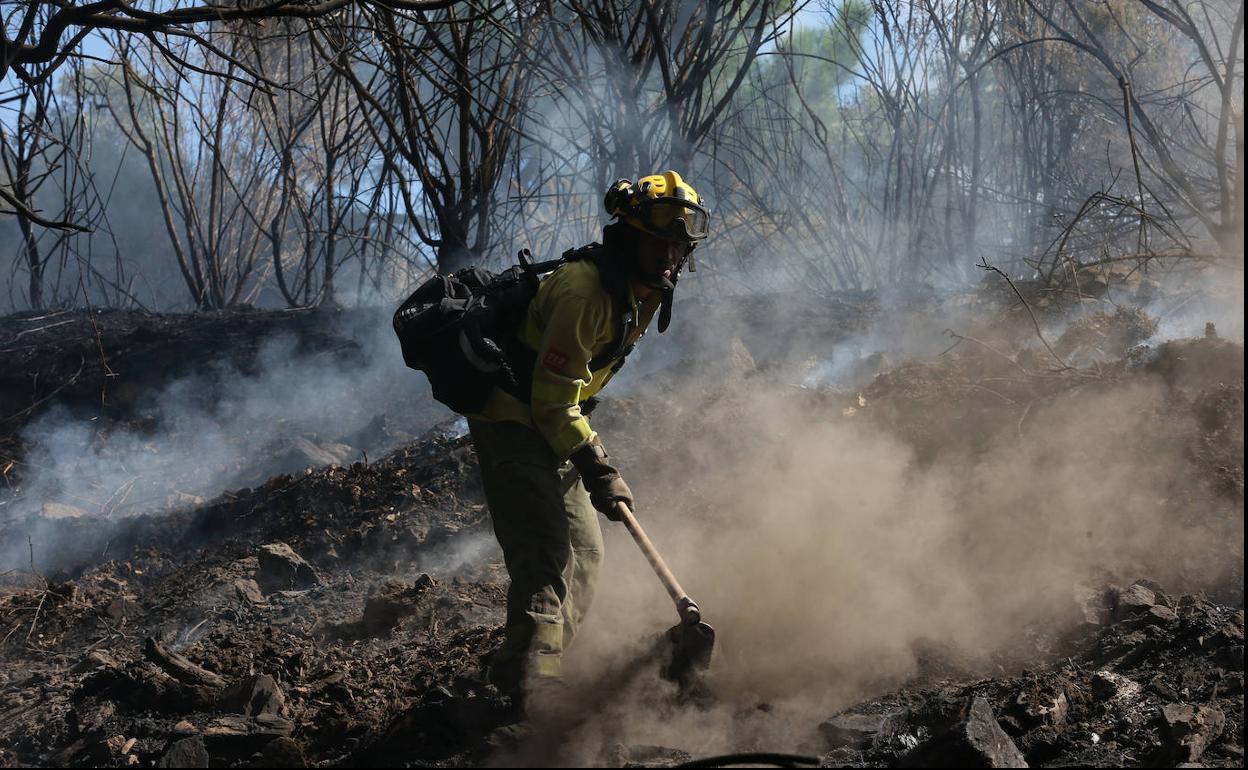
[614, 282]
[521, 360]
[540, 268]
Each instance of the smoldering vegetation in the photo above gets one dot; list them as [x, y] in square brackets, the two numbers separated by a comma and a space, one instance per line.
[148, 414]
[906, 546]
[947, 437]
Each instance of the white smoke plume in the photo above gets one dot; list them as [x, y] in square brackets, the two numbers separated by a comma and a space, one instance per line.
[203, 434]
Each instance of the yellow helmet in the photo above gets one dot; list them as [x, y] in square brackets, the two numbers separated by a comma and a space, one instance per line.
[663, 205]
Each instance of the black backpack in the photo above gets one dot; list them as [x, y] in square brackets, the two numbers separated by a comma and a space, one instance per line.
[454, 327]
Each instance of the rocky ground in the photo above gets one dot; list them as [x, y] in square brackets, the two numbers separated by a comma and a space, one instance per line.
[337, 613]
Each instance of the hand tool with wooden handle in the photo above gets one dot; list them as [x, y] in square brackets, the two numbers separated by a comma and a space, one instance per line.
[692, 641]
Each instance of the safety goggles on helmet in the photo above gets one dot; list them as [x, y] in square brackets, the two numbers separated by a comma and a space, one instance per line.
[663, 205]
[672, 218]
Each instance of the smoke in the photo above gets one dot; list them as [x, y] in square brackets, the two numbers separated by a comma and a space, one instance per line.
[834, 563]
[225, 428]
[461, 556]
[1215, 296]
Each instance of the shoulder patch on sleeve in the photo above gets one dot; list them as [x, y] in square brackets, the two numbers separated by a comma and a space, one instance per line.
[554, 360]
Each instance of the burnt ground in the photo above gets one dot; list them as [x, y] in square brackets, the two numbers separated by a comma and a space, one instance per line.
[339, 614]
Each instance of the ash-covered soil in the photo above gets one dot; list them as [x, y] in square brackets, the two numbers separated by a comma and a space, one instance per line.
[339, 613]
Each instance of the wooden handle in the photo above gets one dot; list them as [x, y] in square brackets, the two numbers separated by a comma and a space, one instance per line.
[686, 607]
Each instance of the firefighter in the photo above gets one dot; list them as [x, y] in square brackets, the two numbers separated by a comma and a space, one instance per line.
[544, 469]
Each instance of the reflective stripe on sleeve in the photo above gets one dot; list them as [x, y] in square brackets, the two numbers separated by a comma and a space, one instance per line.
[556, 392]
[571, 438]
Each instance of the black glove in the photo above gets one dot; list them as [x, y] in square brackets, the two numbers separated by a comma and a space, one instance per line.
[601, 479]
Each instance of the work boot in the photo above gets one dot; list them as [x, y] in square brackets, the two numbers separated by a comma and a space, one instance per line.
[545, 708]
[509, 737]
[504, 679]
[507, 675]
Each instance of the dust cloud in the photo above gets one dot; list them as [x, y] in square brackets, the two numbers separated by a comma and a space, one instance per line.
[835, 565]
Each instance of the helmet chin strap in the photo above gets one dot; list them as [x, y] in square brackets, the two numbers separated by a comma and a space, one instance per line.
[658, 282]
[669, 293]
[665, 307]
[667, 286]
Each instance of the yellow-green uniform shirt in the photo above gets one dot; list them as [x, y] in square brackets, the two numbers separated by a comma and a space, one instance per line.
[570, 322]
